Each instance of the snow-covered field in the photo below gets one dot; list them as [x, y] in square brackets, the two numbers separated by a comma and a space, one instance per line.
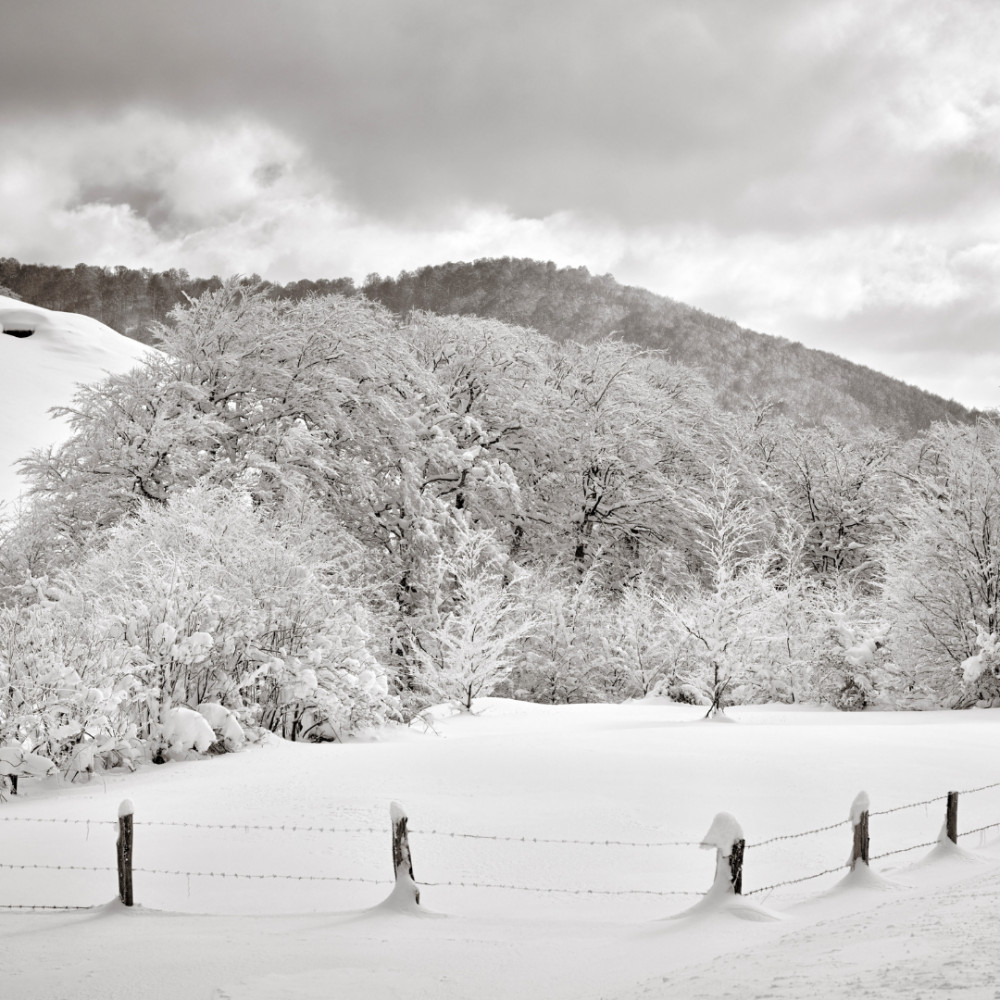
[43, 370]
[644, 773]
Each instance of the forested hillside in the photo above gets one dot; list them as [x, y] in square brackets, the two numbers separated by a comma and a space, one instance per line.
[810, 386]
[314, 515]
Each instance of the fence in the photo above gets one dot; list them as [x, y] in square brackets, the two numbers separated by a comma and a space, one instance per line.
[734, 856]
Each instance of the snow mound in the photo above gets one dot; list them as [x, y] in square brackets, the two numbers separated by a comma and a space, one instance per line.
[862, 878]
[185, 729]
[944, 853]
[44, 356]
[722, 900]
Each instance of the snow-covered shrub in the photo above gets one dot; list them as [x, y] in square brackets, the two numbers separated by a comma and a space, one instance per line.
[204, 599]
[66, 691]
[228, 731]
[332, 688]
[852, 667]
[184, 729]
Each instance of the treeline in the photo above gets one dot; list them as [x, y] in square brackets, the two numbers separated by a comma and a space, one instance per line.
[812, 387]
[321, 515]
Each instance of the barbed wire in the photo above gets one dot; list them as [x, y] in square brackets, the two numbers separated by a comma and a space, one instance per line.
[265, 876]
[556, 840]
[909, 805]
[796, 881]
[66, 868]
[61, 822]
[273, 828]
[903, 850]
[981, 788]
[575, 892]
[793, 836]
[40, 906]
[979, 829]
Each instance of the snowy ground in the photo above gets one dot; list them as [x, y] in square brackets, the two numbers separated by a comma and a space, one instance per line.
[644, 773]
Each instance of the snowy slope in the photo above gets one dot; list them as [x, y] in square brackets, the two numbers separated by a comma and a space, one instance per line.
[638, 774]
[43, 370]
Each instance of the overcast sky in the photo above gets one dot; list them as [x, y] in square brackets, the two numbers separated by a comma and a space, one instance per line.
[822, 170]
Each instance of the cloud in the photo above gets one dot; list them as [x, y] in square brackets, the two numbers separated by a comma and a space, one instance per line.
[779, 113]
[148, 189]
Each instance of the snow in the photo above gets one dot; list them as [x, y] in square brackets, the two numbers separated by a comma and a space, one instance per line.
[185, 729]
[18, 762]
[396, 813]
[723, 833]
[643, 773]
[861, 804]
[972, 667]
[126, 808]
[223, 722]
[43, 370]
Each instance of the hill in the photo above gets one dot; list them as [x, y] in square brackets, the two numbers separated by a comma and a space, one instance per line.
[812, 387]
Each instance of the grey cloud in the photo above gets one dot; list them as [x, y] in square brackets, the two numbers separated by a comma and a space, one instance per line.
[146, 201]
[641, 110]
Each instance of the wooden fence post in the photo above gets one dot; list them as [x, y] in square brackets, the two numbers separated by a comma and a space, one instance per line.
[951, 817]
[402, 862]
[859, 819]
[726, 836]
[736, 866]
[125, 811]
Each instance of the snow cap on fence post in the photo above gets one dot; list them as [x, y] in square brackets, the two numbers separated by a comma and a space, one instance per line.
[125, 811]
[402, 862]
[726, 836]
[859, 820]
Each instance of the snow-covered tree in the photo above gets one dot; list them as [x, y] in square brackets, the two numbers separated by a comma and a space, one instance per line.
[839, 486]
[721, 618]
[642, 640]
[629, 435]
[466, 643]
[942, 583]
[565, 659]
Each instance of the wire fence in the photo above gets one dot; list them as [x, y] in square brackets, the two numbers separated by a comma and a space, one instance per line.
[860, 852]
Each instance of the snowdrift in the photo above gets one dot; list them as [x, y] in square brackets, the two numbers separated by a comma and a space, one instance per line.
[44, 355]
